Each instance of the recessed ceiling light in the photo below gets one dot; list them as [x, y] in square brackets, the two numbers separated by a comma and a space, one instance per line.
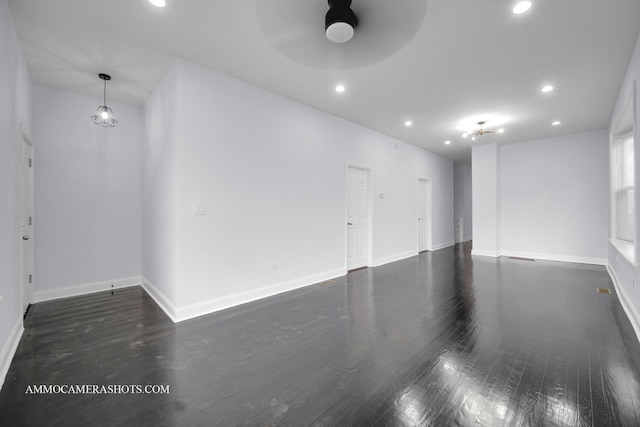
[158, 3]
[339, 88]
[547, 88]
[500, 130]
[556, 123]
[408, 123]
[522, 7]
[447, 142]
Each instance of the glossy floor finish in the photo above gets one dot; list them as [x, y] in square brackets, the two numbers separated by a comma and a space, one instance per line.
[440, 339]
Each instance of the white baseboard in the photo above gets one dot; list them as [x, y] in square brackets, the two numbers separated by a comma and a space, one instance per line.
[442, 245]
[555, 257]
[479, 252]
[87, 288]
[9, 349]
[161, 299]
[464, 240]
[394, 258]
[178, 314]
[625, 301]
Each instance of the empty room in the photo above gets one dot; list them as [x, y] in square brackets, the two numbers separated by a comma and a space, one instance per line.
[464, 171]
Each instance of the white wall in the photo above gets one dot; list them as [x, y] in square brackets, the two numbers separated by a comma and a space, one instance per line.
[15, 108]
[626, 275]
[554, 198]
[272, 173]
[462, 207]
[543, 199]
[485, 185]
[87, 191]
[159, 189]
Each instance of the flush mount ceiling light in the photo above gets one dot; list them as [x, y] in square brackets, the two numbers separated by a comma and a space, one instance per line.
[158, 3]
[521, 7]
[480, 131]
[556, 123]
[447, 142]
[340, 88]
[408, 123]
[547, 88]
[340, 22]
[104, 115]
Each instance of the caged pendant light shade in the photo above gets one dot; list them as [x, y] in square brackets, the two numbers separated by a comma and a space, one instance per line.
[104, 115]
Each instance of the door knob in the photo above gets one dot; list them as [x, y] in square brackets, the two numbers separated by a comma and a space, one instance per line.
[25, 237]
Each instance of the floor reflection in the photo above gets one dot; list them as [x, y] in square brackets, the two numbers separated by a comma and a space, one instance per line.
[439, 339]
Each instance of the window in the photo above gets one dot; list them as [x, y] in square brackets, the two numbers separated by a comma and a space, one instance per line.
[623, 147]
[623, 180]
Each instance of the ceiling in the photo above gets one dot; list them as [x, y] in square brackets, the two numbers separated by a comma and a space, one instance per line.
[433, 62]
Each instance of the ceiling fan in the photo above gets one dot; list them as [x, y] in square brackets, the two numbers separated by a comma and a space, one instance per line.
[481, 131]
[339, 34]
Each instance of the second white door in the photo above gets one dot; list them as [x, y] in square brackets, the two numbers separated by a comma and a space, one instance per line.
[424, 215]
[357, 218]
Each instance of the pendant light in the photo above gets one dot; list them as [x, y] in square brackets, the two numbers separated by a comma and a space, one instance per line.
[104, 115]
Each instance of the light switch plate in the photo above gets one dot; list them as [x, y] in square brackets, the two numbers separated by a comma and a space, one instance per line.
[199, 209]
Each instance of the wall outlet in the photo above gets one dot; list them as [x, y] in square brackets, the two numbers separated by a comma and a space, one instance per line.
[273, 266]
[199, 209]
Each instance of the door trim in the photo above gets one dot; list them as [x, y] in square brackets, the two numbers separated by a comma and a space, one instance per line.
[369, 171]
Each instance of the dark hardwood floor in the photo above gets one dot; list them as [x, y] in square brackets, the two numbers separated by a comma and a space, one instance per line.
[439, 339]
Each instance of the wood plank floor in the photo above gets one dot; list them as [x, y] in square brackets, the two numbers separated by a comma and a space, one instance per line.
[439, 339]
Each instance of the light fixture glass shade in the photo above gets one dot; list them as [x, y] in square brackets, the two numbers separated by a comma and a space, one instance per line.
[104, 117]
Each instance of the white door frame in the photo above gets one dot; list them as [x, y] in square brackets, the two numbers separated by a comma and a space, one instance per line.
[369, 171]
[428, 209]
[26, 230]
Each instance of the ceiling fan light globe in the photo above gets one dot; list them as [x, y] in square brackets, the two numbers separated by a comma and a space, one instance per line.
[340, 32]
[340, 21]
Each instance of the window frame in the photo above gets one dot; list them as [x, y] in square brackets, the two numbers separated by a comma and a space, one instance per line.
[624, 240]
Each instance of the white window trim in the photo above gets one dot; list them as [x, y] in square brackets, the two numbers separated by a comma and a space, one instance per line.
[625, 248]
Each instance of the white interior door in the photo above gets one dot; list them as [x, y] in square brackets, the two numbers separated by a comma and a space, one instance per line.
[422, 241]
[26, 221]
[357, 218]
[424, 214]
